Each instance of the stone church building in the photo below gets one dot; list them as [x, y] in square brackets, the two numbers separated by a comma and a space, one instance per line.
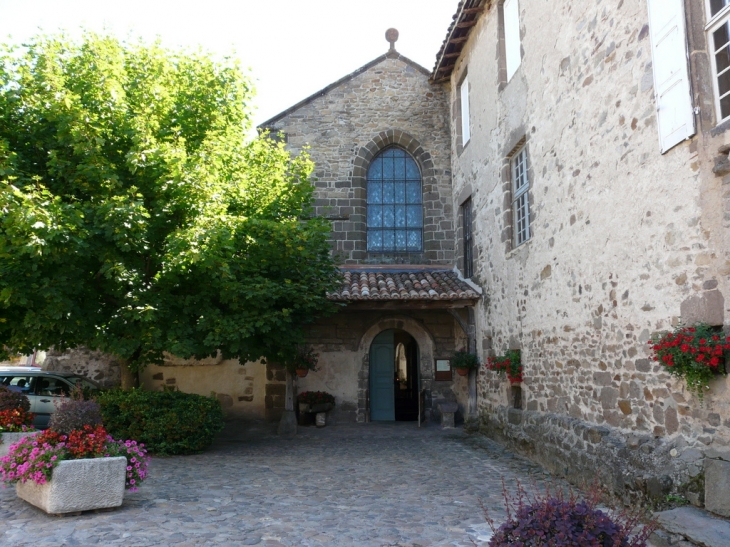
[558, 184]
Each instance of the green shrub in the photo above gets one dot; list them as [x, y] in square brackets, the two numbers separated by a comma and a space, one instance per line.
[167, 422]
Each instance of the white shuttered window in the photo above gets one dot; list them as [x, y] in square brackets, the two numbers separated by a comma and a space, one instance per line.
[675, 116]
[464, 90]
[512, 36]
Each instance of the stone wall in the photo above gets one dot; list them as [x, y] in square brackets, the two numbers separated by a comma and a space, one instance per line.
[387, 102]
[626, 242]
[103, 368]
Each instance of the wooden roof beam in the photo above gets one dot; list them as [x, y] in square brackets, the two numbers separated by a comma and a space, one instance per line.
[466, 24]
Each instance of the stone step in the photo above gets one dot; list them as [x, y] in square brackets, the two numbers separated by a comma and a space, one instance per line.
[694, 525]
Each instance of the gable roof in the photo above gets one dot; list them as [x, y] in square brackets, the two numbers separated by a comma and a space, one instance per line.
[466, 17]
[403, 284]
[322, 92]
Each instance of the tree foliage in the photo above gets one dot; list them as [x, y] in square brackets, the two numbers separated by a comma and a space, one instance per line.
[137, 217]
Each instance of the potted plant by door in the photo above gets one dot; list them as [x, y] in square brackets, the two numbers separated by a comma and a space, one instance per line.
[315, 401]
[463, 362]
[303, 361]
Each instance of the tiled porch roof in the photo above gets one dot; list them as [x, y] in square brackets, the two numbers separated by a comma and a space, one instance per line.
[404, 285]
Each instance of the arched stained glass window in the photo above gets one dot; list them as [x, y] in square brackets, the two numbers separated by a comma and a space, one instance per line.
[395, 203]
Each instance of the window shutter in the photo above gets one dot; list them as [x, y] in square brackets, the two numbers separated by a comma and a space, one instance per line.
[675, 116]
[465, 135]
[513, 56]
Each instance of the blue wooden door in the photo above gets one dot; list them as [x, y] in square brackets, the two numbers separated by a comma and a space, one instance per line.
[382, 377]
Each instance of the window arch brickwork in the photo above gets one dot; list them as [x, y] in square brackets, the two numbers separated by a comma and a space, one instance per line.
[435, 206]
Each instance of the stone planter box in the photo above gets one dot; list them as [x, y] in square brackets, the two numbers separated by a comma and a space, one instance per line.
[315, 409]
[78, 485]
[10, 439]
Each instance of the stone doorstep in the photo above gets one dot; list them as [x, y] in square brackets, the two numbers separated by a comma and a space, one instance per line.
[78, 485]
[698, 526]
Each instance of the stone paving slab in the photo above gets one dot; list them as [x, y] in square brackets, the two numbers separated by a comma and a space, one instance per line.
[344, 485]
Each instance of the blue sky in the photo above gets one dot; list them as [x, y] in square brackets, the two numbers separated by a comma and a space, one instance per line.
[293, 47]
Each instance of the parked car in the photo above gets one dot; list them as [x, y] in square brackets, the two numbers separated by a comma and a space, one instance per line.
[45, 389]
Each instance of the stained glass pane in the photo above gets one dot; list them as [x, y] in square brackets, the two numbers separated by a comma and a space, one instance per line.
[400, 240]
[388, 216]
[388, 240]
[412, 172]
[413, 192]
[375, 192]
[388, 169]
[375, 240]
[400, 192]
[375, 216]
[414, 240]
[388, 192]
[375, 171]
[413, 216]
[400, 216]
[399, 166]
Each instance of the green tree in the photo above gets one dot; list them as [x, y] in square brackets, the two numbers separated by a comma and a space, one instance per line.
[137, 217]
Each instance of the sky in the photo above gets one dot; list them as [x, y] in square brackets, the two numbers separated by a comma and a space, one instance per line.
[294, 48]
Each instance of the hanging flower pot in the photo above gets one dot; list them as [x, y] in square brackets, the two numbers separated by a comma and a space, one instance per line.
[462, 371]
[302, 372]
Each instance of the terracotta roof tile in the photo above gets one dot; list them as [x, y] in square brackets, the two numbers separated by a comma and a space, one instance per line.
[402, 285]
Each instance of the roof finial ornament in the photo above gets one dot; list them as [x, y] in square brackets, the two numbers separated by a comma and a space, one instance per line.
[392, 36]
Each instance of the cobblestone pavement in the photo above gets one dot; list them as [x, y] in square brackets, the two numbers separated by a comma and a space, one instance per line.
[342, 485]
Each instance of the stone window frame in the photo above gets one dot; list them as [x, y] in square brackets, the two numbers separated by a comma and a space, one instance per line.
[363, 157]
[457, 113]
[714, 23]
[508, 231]
[467, 227]
[502, 76]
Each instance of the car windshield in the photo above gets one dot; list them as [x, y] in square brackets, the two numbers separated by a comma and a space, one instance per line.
[85, 383]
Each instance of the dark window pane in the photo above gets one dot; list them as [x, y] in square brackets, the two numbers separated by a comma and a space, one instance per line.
[717, 5]
[400, 240]
[375, 240]
[375, 216]
[725, 106]
[388, 192]
[388, 216]
[388, 240]
[722, 59]
[413, 216]
[375, 172]
[720, 37]
[413, 192]
[723, 82]
[375, 192]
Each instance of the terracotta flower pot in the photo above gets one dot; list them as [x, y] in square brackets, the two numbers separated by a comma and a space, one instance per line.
[302, 372]
[462, 371]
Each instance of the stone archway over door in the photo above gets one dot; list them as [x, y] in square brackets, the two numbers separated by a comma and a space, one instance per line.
[426, 346]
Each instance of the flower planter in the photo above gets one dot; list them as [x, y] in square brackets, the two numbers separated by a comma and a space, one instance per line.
[78, 485]
[315, 409]
[10, 439]
[302, 372]
[462, 371]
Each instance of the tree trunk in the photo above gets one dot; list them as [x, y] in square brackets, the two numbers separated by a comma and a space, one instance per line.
[288, 423]
[129, 379]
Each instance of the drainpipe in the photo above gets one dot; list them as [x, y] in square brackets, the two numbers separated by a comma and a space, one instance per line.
[469, 328]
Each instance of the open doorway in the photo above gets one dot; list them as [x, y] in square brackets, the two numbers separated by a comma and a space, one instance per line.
[394, 381]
